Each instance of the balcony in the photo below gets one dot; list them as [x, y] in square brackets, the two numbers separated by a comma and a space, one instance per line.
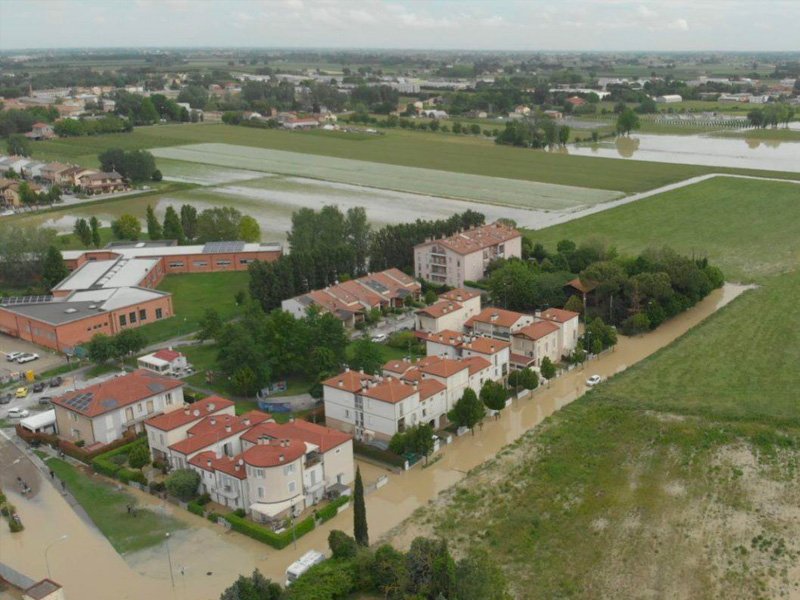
[312, 459]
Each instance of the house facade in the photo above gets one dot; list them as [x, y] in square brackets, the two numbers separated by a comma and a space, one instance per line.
[451, 312]
[465, 255]
[107, 411]
[164, 362]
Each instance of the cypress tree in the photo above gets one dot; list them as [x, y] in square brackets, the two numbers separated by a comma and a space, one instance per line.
[154, 231]
[360, 513]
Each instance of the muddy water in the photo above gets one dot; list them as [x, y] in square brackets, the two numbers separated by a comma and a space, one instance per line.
[205, 560]
[699, 150]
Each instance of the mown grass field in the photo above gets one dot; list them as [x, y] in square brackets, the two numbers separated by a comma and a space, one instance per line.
[678, 477]
[749, 228]
[464, 154]
[780, 134]
[107, 508]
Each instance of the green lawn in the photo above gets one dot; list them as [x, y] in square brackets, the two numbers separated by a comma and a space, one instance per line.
[460, 154]
[192, 294]
[107, 508]
[749, 228]
[70, 241]
[781, 134]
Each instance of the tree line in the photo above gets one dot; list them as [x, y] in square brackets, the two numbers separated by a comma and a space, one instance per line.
[329, 245]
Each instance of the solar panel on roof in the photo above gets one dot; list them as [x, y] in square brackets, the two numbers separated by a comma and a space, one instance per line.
[25, 300]
[222, 247]
[110, 403]
[81, 401]
[376, 285]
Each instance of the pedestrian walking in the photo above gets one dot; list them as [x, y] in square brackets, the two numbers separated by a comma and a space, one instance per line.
[63, 486]
[52, 474]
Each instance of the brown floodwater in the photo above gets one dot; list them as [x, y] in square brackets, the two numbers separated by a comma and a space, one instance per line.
[205, 559]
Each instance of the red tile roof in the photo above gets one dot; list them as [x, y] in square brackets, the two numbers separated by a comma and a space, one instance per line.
[484, 345]
[559, 315]
[190, 413]
[440, 367]
[429, 387]
[476, 364]
[389, 390]
[441, 308]
[397, 366]
[274, 453]
[477, 238]
[583, 287]
[350, 381]
[208, 461]
[496, 316]
[167, 354]
[215, 428]
[323, 437]
[446, 337]
[459, 295]
[116, 393]
[521, 359]
[537, 330]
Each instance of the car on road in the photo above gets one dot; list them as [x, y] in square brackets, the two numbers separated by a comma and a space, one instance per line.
[379, 338]
[18, 413]
[27, 357]
[38, 387]
[6, 398]
[21, 392]
[56, 381]
[12, 356]
[594, 380]
[45, 400]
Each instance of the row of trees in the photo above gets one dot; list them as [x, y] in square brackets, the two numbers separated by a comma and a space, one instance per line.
[536, 132]
[103, 348]
[21, 121]
[330, 246]
[80, 127]
[88, 232]
[771, 115]
[133, 165]
[23, 253]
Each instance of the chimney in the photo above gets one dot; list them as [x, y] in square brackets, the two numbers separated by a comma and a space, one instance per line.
[213, 420]
[361, 371]
[211, 407]
[186, 411]
[209, 462]
[340, 383]
[281, 458]
[196, 413]
[236, 467]
[347, 369]
[247, 422]
[228, 428]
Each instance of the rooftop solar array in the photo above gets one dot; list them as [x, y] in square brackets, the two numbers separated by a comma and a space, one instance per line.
[25, 300]
[110, 403]
[81, 401]
[223, 247]
[376, 285]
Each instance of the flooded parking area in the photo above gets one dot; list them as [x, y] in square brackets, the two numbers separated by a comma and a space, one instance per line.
[205, 559]
[698, 150]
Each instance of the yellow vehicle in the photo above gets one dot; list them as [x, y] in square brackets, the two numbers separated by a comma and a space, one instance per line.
[22, 392]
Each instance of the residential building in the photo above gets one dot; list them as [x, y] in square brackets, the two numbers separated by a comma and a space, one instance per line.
[568, 323]
[668, 99]
[469, 299]
[102, 183]
[452, 344]
[351, 300]
[441, 316]
[577, 101]
[164, 362]
[41, 131]
[105, 412]
[530, 344]
[250, 462]
[465, 255]
[54, 173]
[497, 323]
[9, 189]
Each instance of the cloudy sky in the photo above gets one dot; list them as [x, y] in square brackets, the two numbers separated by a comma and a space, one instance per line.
[436, 24]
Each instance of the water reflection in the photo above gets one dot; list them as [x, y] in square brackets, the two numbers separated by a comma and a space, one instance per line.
[627, 145]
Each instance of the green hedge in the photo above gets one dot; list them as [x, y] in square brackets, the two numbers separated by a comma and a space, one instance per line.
[326, 513]
[105, 466]
[266, 536]
[195, 508]
[384, 456]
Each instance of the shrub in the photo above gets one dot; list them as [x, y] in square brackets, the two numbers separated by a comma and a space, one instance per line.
[157, 486]
[139, 456]
[195, 508]
[332, 579]
[183, 484]
[375, 453]
[204, 499]
[266, 536]
[105, 463]
[212, 516]
[119, 459]
[128, 475]
[341, 544]
[331, 509]
[80, 443]
[240, 512]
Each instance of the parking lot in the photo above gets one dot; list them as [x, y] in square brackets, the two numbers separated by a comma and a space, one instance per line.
[46, 361]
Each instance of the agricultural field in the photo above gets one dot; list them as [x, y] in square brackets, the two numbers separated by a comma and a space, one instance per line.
[780, 134]
[494, 190]
[678, 477]
[457, 154]
[747, 227]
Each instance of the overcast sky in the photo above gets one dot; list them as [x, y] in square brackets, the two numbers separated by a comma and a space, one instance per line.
[436, 24]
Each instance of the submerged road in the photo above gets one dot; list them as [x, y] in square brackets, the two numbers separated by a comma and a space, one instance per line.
[206, 559]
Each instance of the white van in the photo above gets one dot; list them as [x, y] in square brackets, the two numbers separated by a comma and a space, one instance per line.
[297, 568]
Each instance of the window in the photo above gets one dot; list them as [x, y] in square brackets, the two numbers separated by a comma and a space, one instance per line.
[168, 396]
[161, 438]
[128, 414]
[199, 263]
[260, 473]
[139, 408]
[176, 264]
[288, 469]
[245, 261]
[123, 321]
[346, 414]
[223, 263]
[142, 315]
[73, 416]
[76, 433]
[292, 486]
[159, 314]
[150, 406]
[132, 317]
[260, 492]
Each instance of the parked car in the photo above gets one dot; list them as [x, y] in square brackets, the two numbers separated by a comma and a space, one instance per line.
[18, 413]
[12, 356]
[46, 400]
[6, 398]
[56, 381]
[593, 380]
[21, 392]
[38, 387]
[297, 568]
[381, 337]
[26, 358]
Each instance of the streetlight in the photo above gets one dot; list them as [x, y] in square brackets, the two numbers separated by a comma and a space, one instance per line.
[46, 550]
[169, 558]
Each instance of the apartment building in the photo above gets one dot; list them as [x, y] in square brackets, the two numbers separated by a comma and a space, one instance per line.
[105, 412]
[451, 312]
[497, 323]
[465, 255]
[270, 470]
[452, 344]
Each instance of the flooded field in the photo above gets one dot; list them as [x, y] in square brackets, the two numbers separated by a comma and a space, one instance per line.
[477, 188]
[699, 150]
[203, 574]
[273, 199]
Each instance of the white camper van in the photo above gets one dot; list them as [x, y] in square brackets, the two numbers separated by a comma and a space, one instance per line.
[297, 568]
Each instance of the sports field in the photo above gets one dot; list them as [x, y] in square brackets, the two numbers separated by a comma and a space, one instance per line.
[493, 190]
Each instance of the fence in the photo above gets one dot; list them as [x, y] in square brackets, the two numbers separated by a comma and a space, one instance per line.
[70, 448]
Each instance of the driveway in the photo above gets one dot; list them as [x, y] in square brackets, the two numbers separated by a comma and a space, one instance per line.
[47, 359]
[388, 326]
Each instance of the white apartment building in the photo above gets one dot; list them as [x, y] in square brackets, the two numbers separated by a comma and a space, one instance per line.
[250, 462]
[465, 255]
[534, 342]
[497, 323]
[452, 344]
[568, 327]
[452, 310]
